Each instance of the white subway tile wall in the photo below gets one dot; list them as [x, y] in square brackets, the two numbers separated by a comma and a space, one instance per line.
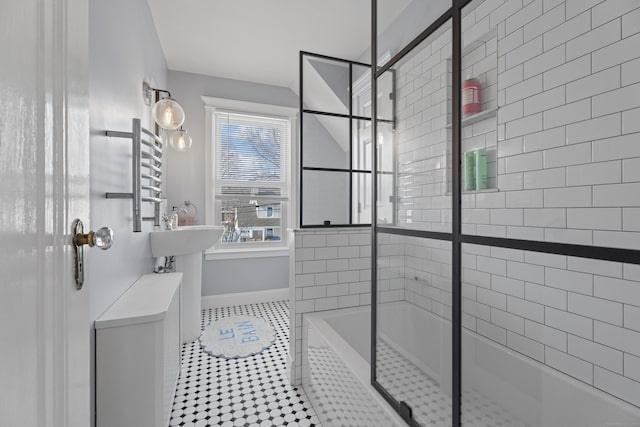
[579, 317]
[423, 90]
[422, 267]
[563, 79]
[568, 96]
[561, 93]
[332, 270]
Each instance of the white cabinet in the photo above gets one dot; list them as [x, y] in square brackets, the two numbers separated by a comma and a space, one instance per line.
[138, 354]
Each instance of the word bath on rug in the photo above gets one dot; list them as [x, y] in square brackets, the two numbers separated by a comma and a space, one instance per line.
[237, 336]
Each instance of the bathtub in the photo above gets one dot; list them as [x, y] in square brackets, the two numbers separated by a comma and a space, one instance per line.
[519, 391]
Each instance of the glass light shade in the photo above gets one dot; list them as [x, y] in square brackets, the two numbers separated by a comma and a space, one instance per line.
[168, 114]
[180, 140]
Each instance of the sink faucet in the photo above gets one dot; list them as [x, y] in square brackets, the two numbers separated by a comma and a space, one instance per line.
[166, 222]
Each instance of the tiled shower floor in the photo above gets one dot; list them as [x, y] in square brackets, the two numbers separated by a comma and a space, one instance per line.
[252, 391]
[431, 406]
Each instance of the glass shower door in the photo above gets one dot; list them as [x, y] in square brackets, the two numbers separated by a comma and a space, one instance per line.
[413, 229]
[507, 257]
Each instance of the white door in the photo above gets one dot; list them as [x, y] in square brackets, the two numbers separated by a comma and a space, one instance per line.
[362, 198]
[362, 151]
[44, 185]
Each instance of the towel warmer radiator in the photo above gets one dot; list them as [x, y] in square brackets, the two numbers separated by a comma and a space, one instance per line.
[149, 159]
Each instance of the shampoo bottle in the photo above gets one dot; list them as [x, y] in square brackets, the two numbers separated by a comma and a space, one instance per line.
[469, 171]
[471, 96]
[481, 168]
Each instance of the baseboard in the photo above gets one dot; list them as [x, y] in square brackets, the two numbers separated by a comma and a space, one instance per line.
[227, 300]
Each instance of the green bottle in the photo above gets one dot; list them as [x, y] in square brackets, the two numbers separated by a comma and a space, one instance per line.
[481, 168]
[469, 171]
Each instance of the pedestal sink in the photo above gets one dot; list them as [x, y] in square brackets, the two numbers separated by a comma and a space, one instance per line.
[186, 244]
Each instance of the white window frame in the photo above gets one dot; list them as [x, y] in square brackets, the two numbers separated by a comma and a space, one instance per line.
[288, 209]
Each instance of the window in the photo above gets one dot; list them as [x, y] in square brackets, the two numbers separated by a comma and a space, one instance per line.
[249, 174]
[251, 182]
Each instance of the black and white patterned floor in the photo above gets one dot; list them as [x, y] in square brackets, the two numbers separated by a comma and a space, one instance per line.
[338, 397]
[431, 405]
[252, 391]
[255, 391]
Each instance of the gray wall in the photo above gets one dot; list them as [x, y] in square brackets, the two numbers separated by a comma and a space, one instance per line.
[336, 76]
[320, 148]
[326, 194]
[244, 275]
[124, 51]
[186, 176]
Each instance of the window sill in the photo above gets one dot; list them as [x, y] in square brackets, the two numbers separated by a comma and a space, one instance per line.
[216, 254]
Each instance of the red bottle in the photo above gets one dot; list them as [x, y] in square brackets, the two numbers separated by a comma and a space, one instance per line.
[470, 97]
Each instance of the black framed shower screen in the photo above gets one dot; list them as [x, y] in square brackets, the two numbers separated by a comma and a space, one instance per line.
[307, 113]
[456, 238]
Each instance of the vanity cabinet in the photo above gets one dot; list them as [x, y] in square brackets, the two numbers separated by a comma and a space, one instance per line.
[138, 354]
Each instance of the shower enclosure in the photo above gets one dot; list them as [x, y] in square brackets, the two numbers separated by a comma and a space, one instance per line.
[506, 240]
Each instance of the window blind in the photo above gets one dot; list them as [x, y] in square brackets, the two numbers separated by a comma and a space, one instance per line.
[251, 155]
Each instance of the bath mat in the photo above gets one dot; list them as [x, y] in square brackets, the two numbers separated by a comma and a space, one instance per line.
[237, 336]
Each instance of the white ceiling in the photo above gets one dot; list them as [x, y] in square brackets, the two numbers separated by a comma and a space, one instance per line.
[259, 40]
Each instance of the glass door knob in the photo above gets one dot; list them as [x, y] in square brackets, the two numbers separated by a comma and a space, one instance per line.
[103, 238]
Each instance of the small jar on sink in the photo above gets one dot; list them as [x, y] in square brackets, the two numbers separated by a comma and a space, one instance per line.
[187, 213]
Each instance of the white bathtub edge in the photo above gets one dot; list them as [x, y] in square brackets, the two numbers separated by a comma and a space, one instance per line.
[358, 365]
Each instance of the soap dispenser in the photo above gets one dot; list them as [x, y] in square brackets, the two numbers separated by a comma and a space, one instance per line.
[174, 218]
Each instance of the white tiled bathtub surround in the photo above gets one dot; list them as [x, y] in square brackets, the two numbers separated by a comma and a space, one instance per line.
[332, 270]
[563, 78]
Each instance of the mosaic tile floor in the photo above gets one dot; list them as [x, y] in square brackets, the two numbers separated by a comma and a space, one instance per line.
[255, 391]
[252, 391]
[338, 397]
[430, 405]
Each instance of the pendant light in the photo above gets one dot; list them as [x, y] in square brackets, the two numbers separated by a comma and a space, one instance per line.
[180, 140]
[166, 112]
[169, 115]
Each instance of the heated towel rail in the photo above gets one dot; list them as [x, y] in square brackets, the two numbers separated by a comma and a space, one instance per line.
[148, 157]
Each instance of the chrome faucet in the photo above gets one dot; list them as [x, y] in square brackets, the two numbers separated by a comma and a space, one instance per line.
[166, 222]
